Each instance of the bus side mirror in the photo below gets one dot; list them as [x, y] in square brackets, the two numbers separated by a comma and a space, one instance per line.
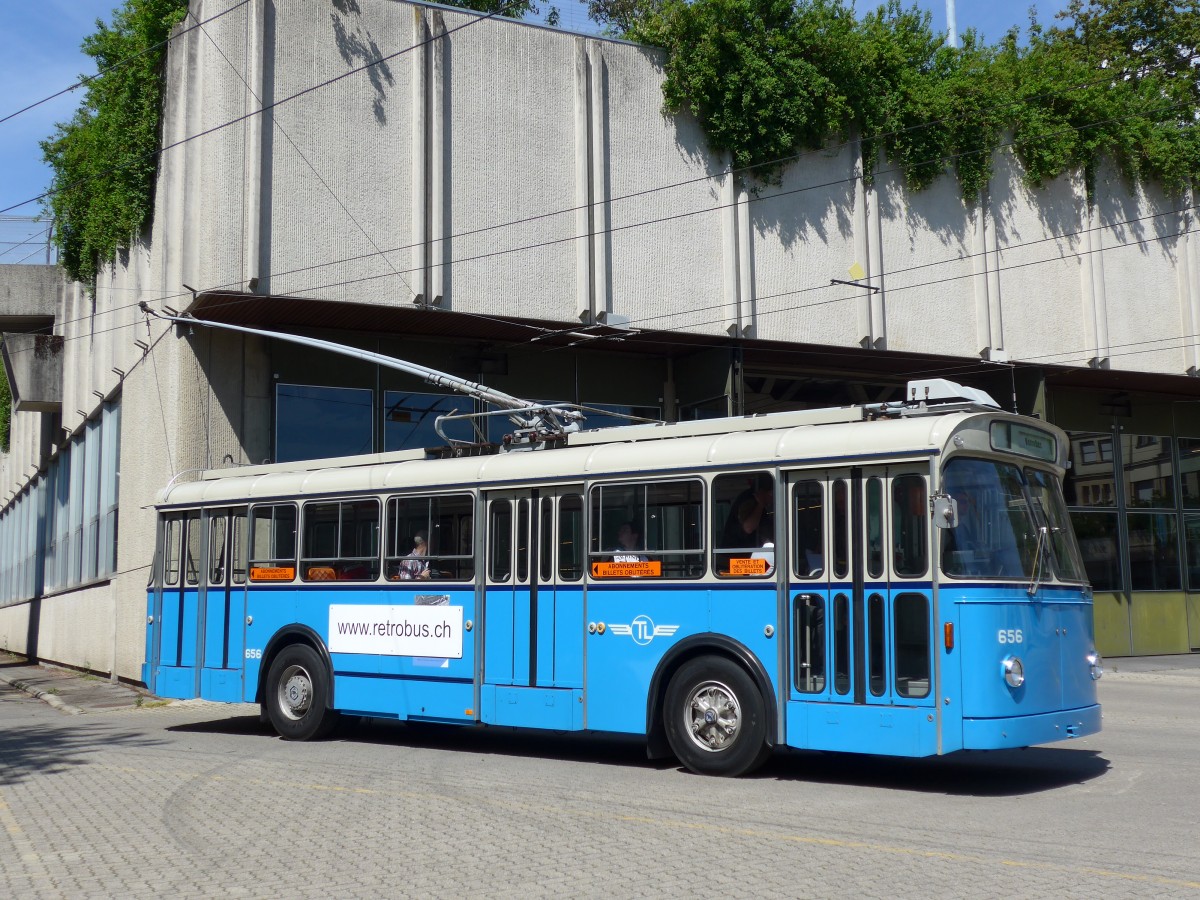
[945, 511]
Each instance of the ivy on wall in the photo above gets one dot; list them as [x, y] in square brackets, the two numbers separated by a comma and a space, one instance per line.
[770, 79]
[5, 410]
[105, 158]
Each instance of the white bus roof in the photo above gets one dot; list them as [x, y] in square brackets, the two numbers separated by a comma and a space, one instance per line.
[635, 451]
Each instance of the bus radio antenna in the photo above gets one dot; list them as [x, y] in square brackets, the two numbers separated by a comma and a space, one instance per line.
[536, 423]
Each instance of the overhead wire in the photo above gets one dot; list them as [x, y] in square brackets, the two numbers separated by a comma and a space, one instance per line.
[221, 126]
[120, 63]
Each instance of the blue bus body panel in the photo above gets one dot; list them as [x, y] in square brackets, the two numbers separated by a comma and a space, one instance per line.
[557, 709]
[1051, 635]
[407, 687]
[641, 626]
[886, 721]
[1027, 731]
[890, 730]
[175, 676]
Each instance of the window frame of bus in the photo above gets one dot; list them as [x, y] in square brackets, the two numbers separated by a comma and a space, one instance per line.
[393, 558]
[596, 513]
[799, 546]
[345, 566]
[273, 559]
[233, 521]
[191, 548]
[748, 557]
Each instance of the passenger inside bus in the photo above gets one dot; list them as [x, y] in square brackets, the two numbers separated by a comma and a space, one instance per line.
[415, 565]
[751, 519]
[628, 544]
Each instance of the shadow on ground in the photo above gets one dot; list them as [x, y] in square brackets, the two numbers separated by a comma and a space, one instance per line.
[38, 750]
[997, 773]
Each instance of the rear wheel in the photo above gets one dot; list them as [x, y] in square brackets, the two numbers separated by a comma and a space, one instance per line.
[297, 693]
[715, 718]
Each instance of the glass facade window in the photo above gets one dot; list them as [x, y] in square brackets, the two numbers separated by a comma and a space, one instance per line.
[409, 417]
[1189, 471]
[1091, 478]
[1191, 543]
[1153, 552]
[1147, 472]
[60, 532]
[314, 422]
[1098, 543]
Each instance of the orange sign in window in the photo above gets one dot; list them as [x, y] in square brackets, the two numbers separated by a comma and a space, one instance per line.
[647, 569]
[272, 573]
[743, 566]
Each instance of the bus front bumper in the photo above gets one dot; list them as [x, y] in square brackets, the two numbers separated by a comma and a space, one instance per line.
[1027, 731]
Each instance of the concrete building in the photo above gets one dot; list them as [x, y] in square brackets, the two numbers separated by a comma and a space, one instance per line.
[509, 203]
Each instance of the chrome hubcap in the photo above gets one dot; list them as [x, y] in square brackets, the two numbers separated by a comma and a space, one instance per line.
[295, 692]
[713, 716]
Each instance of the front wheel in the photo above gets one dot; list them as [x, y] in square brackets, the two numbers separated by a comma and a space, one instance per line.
[715, 718]
[297, 693]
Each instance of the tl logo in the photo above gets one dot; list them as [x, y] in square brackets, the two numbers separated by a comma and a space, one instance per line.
[643, 630]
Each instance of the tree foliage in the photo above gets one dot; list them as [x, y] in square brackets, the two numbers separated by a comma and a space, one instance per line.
[105, 158]
[5, 409]
[769, 79]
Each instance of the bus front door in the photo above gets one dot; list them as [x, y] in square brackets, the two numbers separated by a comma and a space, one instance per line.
[533, 609]
[860, 677]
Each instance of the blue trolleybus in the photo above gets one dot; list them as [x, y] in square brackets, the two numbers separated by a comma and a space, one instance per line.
[895, 579]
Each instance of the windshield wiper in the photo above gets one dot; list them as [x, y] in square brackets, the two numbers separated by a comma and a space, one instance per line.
[1038, 554]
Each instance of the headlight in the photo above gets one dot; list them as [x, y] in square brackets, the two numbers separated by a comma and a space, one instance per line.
[1096, 661]
[1014, 671]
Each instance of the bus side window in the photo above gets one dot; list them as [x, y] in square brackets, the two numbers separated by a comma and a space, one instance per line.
[273, 543]
[192, 566]
[841, 530]
[172, 539]
[500, 540]
[570, 537]
[341, 541]
[216, 549]
[875, 527]
[808, 529]
[810, 643]
[239, 547]
[911, 623]
[910, 514]
[445, 525]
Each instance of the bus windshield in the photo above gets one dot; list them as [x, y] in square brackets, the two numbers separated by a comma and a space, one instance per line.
[1002, 509]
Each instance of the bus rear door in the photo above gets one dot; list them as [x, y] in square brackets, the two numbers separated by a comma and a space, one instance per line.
[173, 670]
[224, 620]
[533, 609]
[860, 675]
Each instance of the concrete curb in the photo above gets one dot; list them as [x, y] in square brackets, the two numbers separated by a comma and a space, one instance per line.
[44, 696]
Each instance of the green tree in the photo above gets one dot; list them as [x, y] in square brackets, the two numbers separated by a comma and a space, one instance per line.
[768, 79]
[105, 159]
[5, 409]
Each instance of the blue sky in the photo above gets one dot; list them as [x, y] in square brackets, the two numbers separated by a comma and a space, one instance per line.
[39, 55]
